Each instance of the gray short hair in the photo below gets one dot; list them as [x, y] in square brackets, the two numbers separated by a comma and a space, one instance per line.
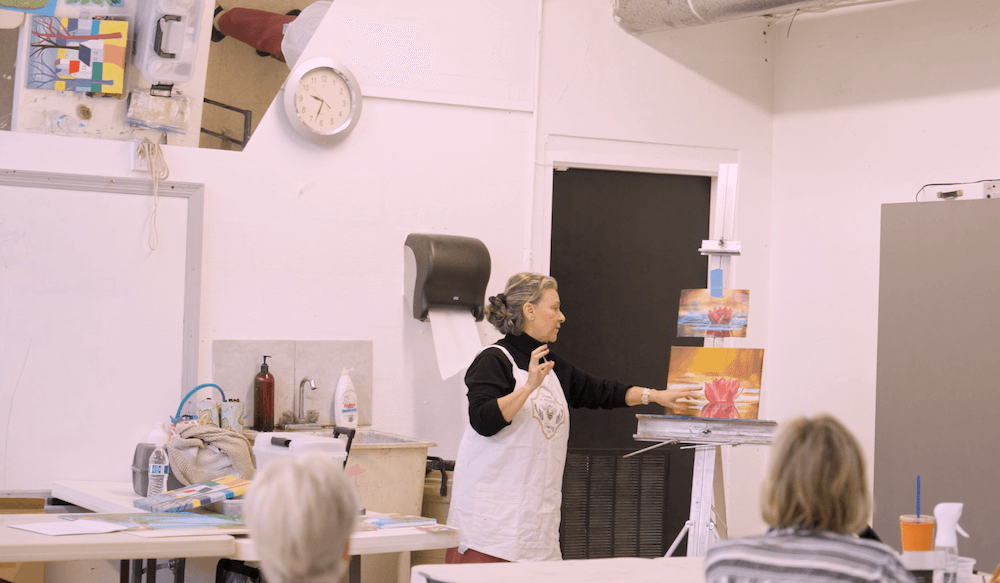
[301, 512]
[504, 310]
[817, 478]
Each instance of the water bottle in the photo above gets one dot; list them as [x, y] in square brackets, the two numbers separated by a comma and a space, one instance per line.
[159, 468]
[947, 515]
[64, 124]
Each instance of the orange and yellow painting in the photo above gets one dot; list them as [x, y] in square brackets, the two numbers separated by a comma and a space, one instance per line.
[702, 316]
[727, 380]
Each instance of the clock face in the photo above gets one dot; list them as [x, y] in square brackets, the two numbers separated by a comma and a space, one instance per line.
[323, 100]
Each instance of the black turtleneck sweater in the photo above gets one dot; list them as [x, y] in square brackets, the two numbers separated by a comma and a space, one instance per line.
[489, 377]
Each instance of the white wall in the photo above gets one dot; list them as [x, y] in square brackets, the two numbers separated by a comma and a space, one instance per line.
[870, 104]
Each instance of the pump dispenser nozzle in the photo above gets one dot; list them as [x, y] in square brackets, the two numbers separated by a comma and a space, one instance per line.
[263, 367]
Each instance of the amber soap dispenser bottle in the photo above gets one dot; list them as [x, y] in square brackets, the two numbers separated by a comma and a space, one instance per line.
[263, 399]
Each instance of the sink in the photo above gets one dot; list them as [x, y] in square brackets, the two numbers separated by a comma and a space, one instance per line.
[373, 438]
[364, 437]
[304, 427]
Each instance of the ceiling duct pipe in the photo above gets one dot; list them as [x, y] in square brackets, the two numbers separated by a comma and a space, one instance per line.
[642, 16]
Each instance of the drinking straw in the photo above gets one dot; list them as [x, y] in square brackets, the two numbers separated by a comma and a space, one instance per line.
[918, 496]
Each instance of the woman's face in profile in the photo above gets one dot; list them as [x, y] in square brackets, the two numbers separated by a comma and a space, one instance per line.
[545, 318]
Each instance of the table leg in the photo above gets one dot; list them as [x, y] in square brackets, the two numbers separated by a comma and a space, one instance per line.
[150, 570]
[179, 570]
[354, 571]
[123, 572]
[403, 572]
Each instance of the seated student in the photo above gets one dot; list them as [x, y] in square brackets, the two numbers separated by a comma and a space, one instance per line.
[301, 512]
[815, 499]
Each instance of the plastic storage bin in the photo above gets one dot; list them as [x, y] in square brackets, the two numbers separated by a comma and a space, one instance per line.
[268, 447]
[388, 470]
[167, 39]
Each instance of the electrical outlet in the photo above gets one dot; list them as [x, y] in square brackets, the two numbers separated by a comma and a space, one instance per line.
[137, 161]
[991, 189]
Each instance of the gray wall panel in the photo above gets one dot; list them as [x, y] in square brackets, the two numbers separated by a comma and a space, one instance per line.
[939, 368]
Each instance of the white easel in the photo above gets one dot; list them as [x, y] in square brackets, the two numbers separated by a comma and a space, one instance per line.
[722, 248]
[707, 435]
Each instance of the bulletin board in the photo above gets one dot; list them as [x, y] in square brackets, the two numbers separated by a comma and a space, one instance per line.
[98, 331]
[936, 386]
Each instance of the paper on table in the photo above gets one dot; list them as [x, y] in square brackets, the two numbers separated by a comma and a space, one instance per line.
[62, 527]
[456, 339]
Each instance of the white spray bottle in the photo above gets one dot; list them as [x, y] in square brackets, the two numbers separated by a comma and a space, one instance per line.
[346, 402]
[947, 515]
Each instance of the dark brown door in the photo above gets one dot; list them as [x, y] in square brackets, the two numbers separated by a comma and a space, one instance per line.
[623, 246]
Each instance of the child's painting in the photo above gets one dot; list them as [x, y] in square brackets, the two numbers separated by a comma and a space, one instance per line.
[727, 380]
[77, 54]
[700, 315]
[30, 6]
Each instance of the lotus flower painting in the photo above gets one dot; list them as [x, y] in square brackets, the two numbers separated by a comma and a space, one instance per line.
[727, 380]
[702, 316]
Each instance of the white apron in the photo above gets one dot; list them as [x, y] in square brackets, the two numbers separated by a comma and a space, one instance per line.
[507, 496]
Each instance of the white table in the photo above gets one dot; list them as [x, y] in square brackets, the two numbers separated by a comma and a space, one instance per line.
[117, 497]
[624, 570]
[21, 545]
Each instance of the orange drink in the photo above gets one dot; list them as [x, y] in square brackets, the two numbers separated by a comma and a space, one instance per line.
[917, 532]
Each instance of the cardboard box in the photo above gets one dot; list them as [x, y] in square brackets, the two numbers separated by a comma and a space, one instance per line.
[22, 572]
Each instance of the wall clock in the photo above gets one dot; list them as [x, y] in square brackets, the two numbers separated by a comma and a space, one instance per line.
[322, 100]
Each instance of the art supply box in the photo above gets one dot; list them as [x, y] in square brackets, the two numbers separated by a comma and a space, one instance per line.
[268, 447]
[167, 39]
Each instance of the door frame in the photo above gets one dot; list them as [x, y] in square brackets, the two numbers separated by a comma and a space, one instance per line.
[561, 152]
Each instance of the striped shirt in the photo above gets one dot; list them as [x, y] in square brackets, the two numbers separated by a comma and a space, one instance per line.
[803, 556]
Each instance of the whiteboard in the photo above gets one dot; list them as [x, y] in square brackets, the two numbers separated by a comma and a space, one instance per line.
[98, 332]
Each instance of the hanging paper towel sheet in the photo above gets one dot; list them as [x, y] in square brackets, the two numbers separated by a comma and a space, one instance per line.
[456, 339]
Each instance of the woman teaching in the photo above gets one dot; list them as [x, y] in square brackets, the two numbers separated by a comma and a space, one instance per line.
[507, 495]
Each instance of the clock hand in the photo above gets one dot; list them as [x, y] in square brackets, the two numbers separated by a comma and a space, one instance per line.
[321, 103]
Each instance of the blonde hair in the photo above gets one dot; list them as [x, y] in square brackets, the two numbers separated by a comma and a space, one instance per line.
[301, 512]
[817, 478]
[506, 311]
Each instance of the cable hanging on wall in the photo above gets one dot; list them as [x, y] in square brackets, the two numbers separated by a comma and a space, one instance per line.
[156, 165]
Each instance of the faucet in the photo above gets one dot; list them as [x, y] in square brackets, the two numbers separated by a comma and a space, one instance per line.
[301, 417]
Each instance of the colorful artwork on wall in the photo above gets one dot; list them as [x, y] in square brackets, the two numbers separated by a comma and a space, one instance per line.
[701, 315]
[46, 7]
[726, 379]
[77, 54]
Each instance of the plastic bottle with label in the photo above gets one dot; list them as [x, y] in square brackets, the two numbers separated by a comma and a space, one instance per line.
[346, 402]
[159, 463]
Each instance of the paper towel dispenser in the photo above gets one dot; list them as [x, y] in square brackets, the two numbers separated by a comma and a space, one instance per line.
[445, 271]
